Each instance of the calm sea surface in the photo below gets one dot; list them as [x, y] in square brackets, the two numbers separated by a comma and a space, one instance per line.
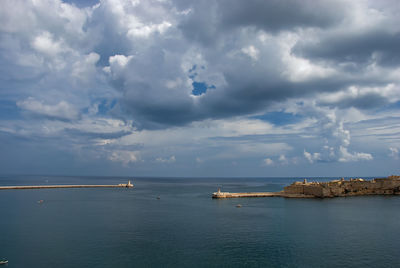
[186, 228]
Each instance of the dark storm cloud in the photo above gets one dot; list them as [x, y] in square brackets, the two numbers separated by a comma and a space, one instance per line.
[195, 84]
[278, 15]
[354, 47]
[227, 36]
[107, 39]
[257, 87]
[159, 115]
[243, 95]
[248, 95]
[97, 135]
[202, 23]
[250, 87]
[207, 19]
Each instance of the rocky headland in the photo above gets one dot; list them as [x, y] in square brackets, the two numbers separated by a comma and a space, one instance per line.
[334, 188]
[352, 187]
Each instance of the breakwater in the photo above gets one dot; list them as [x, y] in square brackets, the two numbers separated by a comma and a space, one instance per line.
[121, 185]
[220, 194]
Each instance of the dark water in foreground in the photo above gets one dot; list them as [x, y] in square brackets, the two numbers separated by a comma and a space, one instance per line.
[186, 228]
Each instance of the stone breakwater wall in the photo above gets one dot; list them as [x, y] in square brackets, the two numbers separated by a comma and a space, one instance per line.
[352, 187]
[221, 195]
[121, 185]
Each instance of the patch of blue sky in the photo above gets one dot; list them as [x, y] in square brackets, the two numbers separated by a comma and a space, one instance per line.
[104, 106]
[279, 118]
[192, 72]
[395, 105]
[200, 88]
[192, 76]
[193, 68]
[389, 107]
[9, 110]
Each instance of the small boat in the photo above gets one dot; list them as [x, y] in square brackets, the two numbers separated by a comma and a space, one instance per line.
[238, 205]
[3, 262]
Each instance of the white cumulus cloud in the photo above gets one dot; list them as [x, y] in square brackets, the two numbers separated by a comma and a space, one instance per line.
[251, 51]
[394, 152]
[124, 157]
[345, 156]
[312, 157]
[62, 110]
[268, 162]
[169, 160]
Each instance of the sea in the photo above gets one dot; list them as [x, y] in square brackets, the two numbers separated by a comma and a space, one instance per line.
[174, 222]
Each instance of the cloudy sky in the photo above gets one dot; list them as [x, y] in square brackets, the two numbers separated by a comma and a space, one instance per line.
[200, 88]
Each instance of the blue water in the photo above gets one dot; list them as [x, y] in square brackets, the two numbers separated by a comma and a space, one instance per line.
[186, 228]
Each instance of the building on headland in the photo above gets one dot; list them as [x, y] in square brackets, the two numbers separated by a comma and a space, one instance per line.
[352, 187]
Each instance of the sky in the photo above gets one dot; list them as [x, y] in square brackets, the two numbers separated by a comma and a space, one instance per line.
[182, 88]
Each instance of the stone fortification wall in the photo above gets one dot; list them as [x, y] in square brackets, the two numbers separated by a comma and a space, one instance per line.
[294, 189]
[307, 189]
[314, 189]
